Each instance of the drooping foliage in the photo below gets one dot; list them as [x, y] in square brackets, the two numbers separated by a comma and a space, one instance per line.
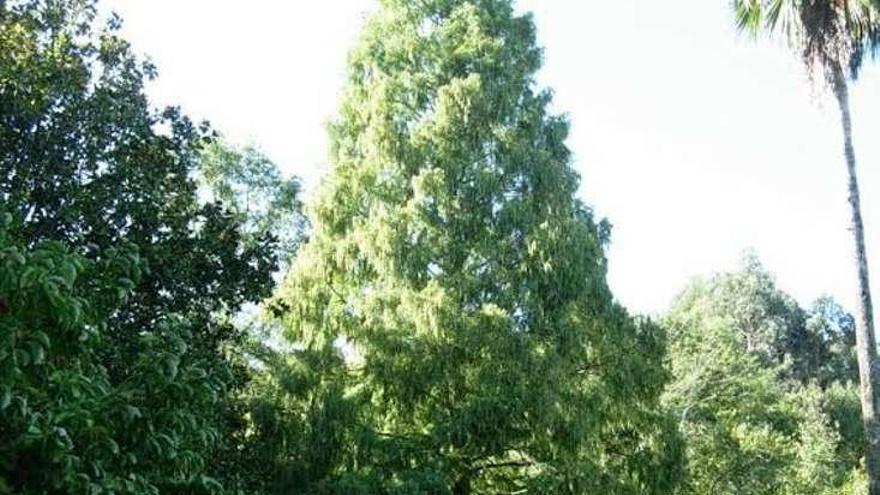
[449, 326]
[457, 331]
[829, 35]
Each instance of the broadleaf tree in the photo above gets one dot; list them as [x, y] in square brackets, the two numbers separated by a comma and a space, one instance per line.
[763, 390]
[451, 299]
[69, 427]
[88, 168]
[253, 187]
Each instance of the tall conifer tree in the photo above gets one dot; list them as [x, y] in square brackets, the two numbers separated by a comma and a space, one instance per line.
[452, 266]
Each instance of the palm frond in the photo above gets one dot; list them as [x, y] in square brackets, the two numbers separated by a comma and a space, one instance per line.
[861, 21]
[786, 17]
[756, 16]
[826, 33]
[774, 11]
[749, 15]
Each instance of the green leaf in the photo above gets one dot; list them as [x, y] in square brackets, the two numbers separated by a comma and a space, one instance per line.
[38, 353]
[42, 338]
[126, 283]
[132, 412]
[17, 258]
[172, 363]
[5, 398]
[22, 357]
[34, 431]
[29, 276]
[68, 273]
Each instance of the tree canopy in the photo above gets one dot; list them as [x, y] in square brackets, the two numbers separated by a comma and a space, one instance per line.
[440, 322]
[118, 281]
[763, 390]
[451, 263]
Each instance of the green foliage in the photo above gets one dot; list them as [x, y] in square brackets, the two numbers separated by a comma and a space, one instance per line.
[832, 330]
[815, 345]
[67, 427]
[829, 35]
[449, 326]
[452, 295]
[296, 428]
[763, 401]
[252, 186]
[86, 161]
[138, 364]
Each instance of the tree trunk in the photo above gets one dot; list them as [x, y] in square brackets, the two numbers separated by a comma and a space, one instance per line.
[865, 342]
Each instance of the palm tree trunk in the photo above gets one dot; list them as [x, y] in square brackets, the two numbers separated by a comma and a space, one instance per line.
[865, 341]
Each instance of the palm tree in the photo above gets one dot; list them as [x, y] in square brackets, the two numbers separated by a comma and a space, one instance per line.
[832, 37]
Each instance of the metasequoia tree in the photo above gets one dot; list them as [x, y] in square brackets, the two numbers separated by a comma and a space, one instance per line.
[453, 290]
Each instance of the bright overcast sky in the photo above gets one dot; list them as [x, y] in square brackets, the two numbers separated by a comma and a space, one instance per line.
[694, 142]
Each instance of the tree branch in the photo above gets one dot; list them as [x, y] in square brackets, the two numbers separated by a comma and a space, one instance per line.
[496, 465]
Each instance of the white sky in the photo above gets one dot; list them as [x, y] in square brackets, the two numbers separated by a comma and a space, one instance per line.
[696, 143]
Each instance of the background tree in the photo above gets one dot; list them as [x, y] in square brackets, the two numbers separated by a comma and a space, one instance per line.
[89, 168]
[813, 345]
[833, 332]
[264, 414]
[764, 390]
[451, 263]
[744, 434]
[832, 37]
[251, 185]
[82, 161]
